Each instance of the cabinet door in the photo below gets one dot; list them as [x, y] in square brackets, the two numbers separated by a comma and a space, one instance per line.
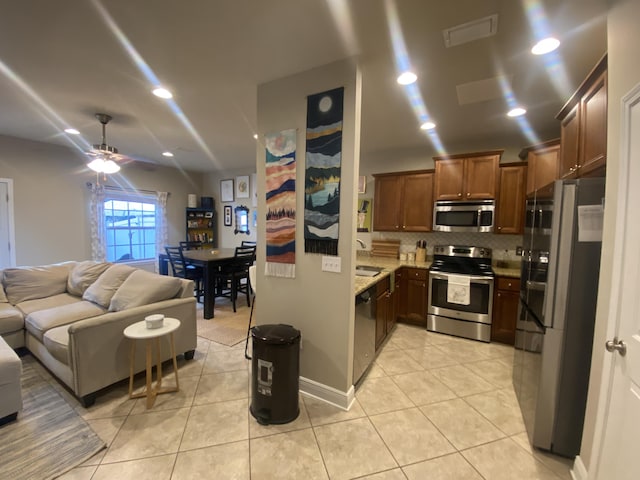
[449, 179]
[511, 201]
[382, 312]
[543, 167]
[481, 177]
[417, 202]
[505, 313]
[569, 138]
[395, 301]
[387, 203]
[416, 296]
[401, 292]
[593, 127]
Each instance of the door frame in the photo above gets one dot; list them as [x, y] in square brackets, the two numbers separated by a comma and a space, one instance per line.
[10, 221]
[629, 101]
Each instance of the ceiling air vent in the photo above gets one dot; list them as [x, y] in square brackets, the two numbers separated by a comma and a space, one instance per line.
[467, 32]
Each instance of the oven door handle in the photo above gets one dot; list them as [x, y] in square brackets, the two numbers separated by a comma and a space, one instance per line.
[473, 278]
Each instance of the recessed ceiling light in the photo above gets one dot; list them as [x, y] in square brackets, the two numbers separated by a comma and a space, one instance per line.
[162, 93]
[545, 45]
[255, 136]
[516, 112]
[407, 78]
[72, 131]
[167, 154]
[427, 126]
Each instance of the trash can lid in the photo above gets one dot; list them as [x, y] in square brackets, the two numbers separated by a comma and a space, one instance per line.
[275, 334]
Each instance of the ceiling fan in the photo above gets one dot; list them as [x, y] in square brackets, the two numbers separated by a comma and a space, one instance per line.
[104, 156]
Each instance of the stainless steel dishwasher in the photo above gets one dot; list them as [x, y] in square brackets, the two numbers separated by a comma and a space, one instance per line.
[364, 342]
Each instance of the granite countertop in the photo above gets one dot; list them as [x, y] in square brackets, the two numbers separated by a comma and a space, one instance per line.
[390, 265]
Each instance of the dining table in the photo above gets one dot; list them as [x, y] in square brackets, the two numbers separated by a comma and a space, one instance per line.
[210, 261]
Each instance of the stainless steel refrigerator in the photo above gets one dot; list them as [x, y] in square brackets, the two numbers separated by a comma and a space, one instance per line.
[554, 328]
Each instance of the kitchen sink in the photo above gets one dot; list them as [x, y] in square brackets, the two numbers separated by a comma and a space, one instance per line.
[367, 270]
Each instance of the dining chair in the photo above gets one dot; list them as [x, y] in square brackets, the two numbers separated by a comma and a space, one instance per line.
[190, 245]
[252, 283]
[182, 269]
[248, 243]
[233, 278]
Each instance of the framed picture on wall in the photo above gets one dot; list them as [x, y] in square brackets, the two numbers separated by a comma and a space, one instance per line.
[227, 215]
[242, 186]
[362, 184]
[226, 190]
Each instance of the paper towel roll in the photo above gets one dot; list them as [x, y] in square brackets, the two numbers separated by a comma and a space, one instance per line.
[192, 200]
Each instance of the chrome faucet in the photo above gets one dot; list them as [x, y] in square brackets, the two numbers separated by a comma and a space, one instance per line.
[361, 243]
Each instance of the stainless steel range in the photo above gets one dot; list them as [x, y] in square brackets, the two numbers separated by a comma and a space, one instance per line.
[461, 292]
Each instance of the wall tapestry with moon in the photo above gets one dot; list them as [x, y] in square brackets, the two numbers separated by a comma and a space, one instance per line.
[281, 203]
[322, 172]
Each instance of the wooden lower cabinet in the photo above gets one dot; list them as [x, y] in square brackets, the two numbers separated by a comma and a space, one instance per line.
[413, 308]
[505, 310]
[383, 310]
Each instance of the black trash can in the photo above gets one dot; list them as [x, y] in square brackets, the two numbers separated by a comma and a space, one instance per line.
[275, 362]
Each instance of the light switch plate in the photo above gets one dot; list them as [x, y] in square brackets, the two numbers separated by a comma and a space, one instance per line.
[331, 264]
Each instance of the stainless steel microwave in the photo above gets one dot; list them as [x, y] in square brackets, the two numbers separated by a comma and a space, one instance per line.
[464, 216]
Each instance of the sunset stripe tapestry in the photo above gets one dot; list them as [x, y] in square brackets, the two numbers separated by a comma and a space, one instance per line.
[281, 204]
[322, 172]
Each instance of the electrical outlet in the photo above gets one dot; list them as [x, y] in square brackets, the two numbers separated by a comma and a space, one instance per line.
[331, 264]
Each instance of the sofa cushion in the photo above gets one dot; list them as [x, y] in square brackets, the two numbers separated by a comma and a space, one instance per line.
[11, 319]
[84, 274]
[102, 290]
[31, 306]
[144, 288]
[56, 341]
[37, 323]
[3, 296]
[28, 283]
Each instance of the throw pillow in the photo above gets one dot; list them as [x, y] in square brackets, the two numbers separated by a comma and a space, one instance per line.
[102, 290]
[83, 275]
[30, 283]
[144, 288]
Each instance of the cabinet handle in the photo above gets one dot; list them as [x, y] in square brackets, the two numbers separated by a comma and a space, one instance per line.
[499, 294]
[460, 194]
[499, 228]
[509, 284]
[468, 194]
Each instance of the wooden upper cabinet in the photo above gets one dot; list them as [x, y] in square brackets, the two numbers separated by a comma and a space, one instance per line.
[403, 201]
[467, 176]
[543, 162]
[583, 127]
[511, 201]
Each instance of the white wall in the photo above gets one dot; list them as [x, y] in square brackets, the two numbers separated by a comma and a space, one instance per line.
[320, 304]
[51, 198]
[623, 74]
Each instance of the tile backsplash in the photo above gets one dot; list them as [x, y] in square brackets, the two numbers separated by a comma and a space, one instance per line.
[503, 246]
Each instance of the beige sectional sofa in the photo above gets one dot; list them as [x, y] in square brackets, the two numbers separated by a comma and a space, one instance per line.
[71, 316]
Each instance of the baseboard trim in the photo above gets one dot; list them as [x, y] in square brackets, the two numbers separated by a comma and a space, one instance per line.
[325, 393]
[579, 472]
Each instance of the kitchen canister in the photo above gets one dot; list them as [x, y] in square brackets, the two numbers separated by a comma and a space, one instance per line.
[421, 255]
[192, 200]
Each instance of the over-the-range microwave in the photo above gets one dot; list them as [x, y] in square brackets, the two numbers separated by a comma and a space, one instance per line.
[456, 216]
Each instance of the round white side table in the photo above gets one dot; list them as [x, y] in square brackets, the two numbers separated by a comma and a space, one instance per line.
[139, 331]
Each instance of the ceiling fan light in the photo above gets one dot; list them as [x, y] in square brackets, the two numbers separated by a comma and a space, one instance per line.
[516, 112]
[407, 78]
[97, 165]
[162, 92]
[110, 167]
[167, 154]
[427, 126]
[546, 45]
[71, 131]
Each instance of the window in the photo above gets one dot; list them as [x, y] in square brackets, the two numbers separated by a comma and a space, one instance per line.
[130, 227]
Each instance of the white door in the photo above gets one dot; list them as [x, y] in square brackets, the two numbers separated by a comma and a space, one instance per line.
[618, 455]
[7, 249]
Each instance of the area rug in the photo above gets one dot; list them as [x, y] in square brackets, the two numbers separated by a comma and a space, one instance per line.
[49, 438]
[226, 327]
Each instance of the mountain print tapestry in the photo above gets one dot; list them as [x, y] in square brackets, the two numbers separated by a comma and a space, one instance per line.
[322, 172]
[281, 203]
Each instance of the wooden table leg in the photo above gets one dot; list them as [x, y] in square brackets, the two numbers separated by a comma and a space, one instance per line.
[175, 362]
[158, 366]
[150, 391]
[132, 359]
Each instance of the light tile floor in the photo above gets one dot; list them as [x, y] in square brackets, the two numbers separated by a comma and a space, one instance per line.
[431, 407]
